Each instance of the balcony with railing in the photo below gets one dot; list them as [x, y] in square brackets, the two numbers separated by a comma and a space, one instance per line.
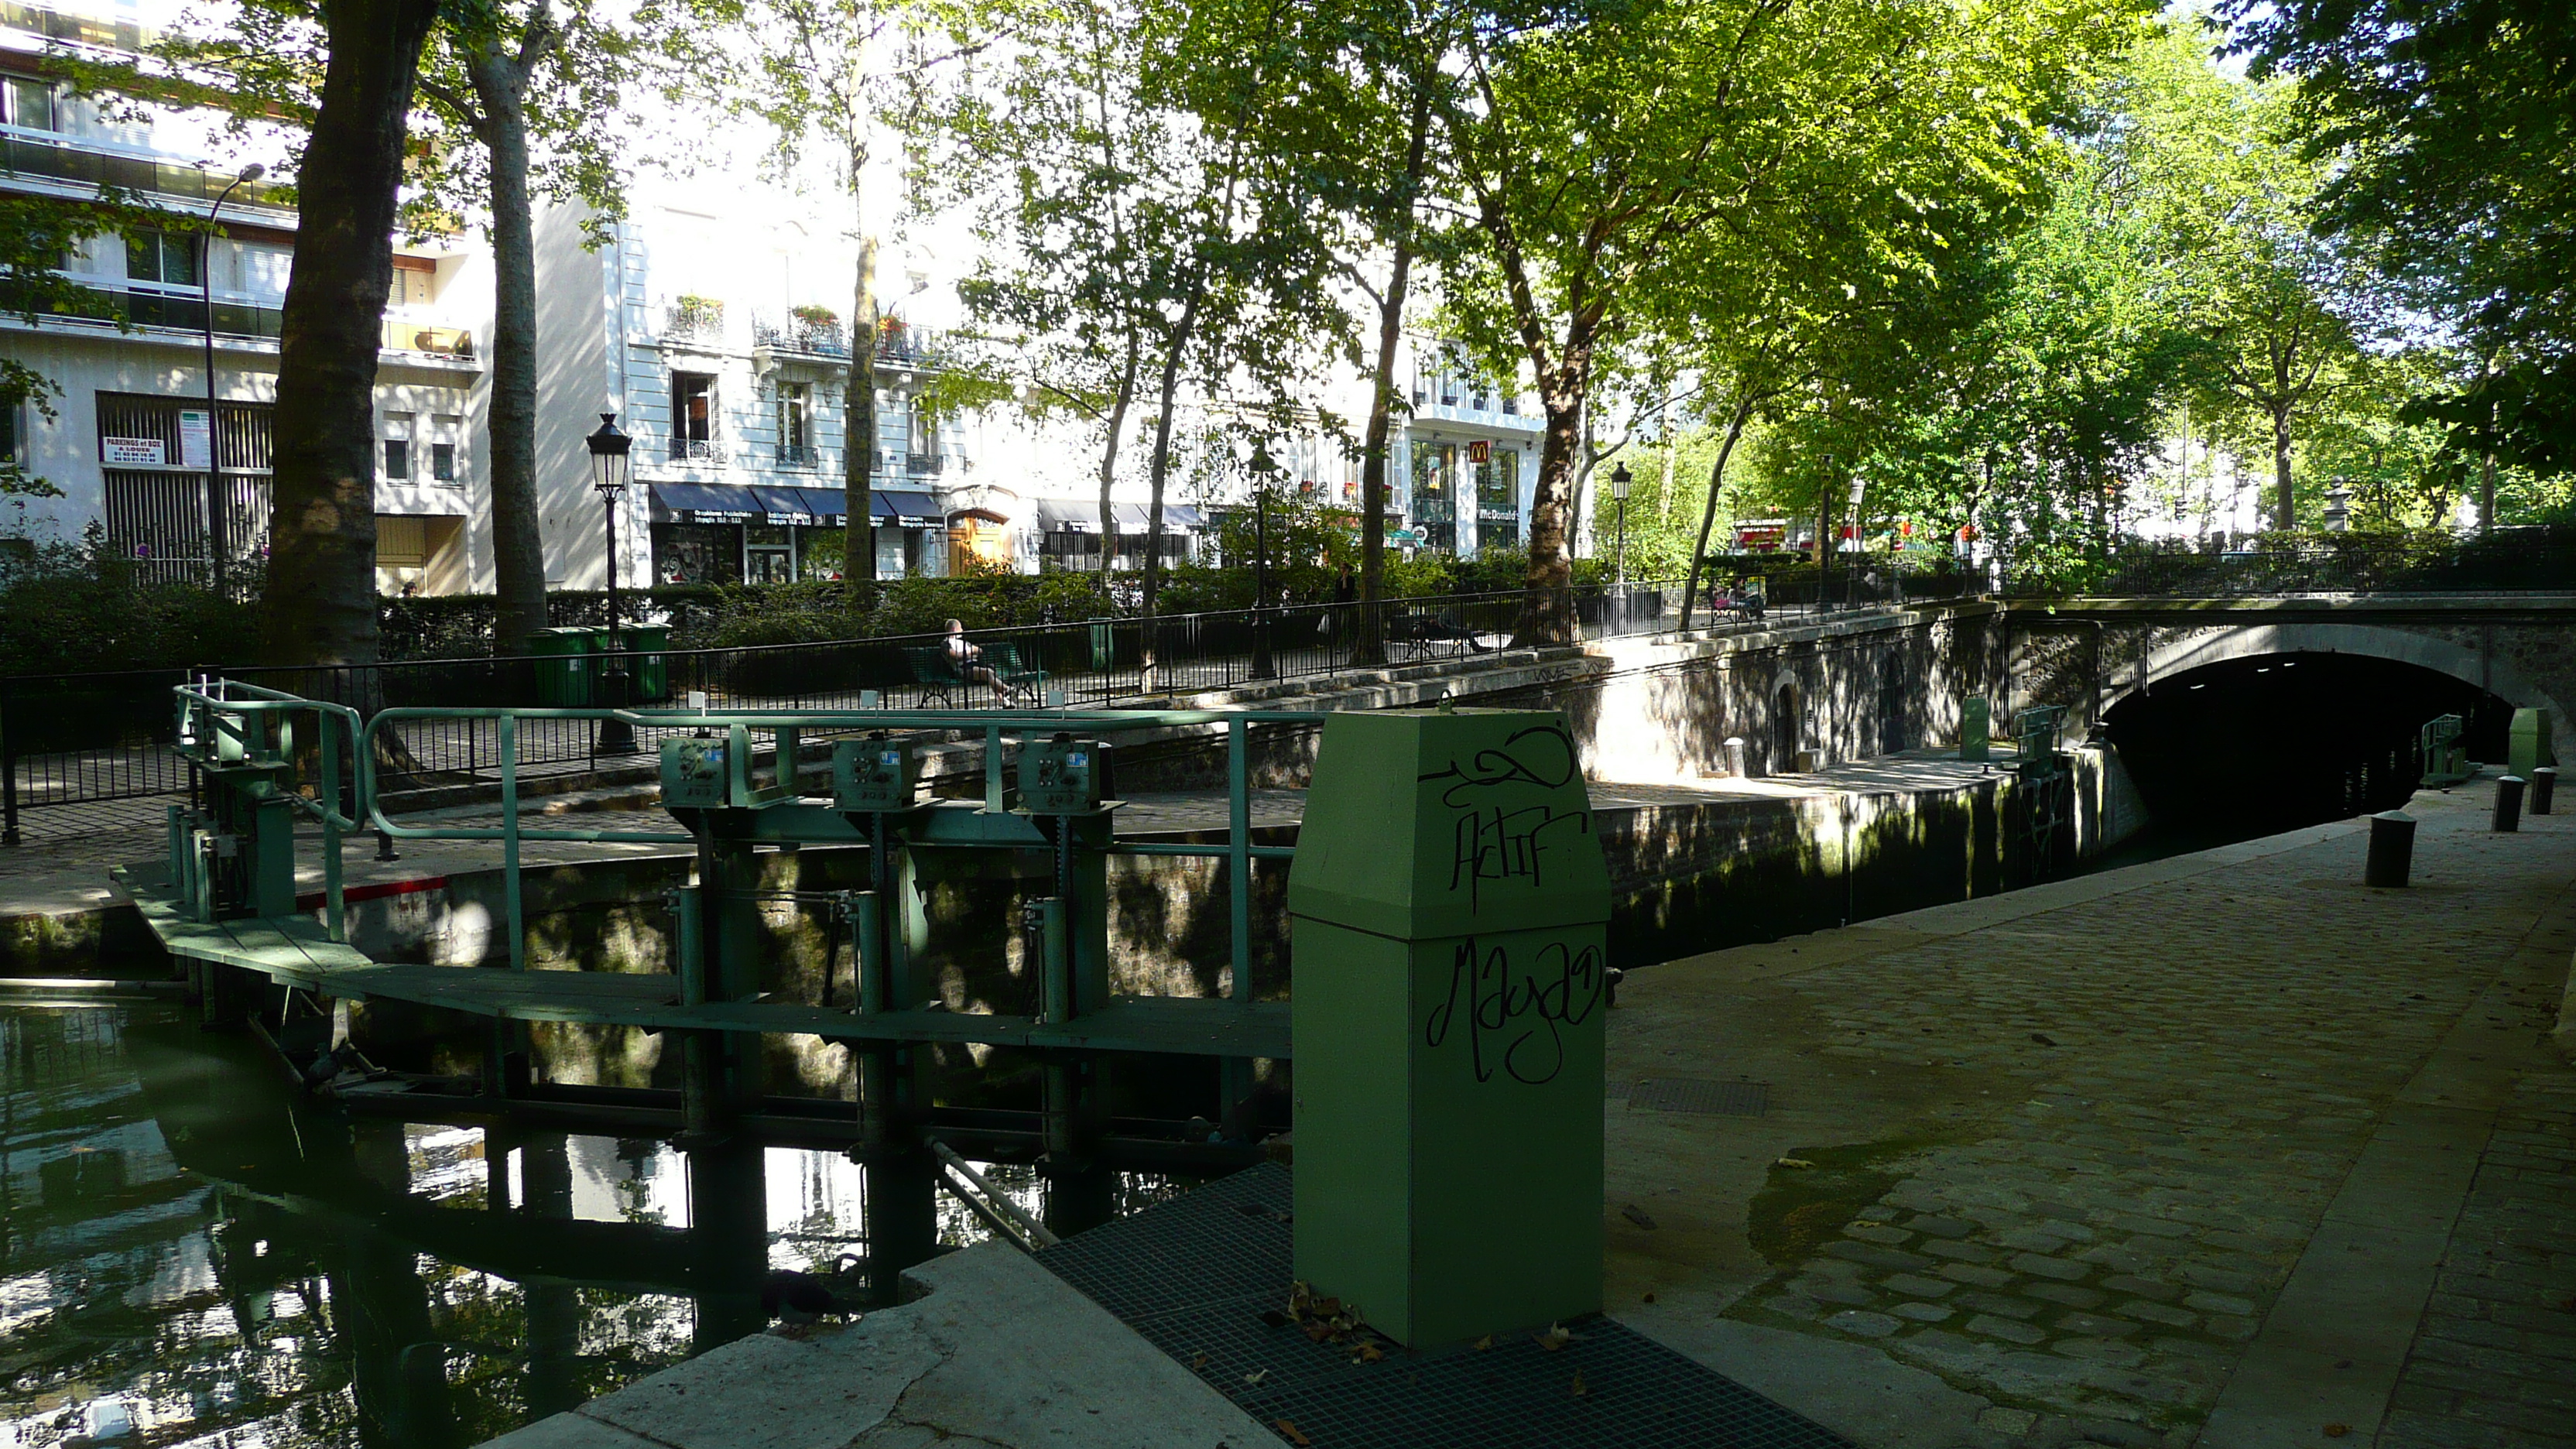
[802, 337]
[697, 320]
[802, 456]
[908, 346]
[428, 339]
[697, 450]
[46, 156]
[144, 305]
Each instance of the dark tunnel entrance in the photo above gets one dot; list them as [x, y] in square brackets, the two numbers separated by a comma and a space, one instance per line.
[2251, 747]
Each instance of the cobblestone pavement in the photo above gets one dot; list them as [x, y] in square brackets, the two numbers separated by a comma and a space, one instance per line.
[2066, 1159]
[2495, 1363]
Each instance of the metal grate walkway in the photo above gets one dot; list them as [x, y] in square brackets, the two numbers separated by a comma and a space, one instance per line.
[1195, 1274]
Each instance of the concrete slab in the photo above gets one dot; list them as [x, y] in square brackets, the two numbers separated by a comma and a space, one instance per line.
[997, 1352]
[1850, 1388]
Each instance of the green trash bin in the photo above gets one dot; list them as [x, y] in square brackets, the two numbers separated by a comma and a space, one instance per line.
[566, 672]
[645, 661]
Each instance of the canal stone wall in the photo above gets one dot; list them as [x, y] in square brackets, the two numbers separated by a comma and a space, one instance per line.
[1689, 873]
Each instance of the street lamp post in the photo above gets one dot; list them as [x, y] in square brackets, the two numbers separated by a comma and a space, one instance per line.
[1620, 479]
[608, 449]
[217, 545]
[1263, 470]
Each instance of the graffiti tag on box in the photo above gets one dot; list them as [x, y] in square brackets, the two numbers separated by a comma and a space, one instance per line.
[1515, 1019]
[1500, 836]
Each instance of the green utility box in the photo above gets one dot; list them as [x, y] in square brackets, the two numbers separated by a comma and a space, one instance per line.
[878, 775]
[1063, 776]
[1976, 729]
[648, 670]
[694, 774]
[566, 672]
[2528, 747]
[1450, 908]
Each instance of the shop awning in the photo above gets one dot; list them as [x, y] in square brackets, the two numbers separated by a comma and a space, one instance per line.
[1064, 516]
[786, 505]
[706, 502]
[1136, 519]
[909, 508]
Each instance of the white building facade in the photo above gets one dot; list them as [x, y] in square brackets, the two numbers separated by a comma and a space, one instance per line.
[712, 320]
[133, 445]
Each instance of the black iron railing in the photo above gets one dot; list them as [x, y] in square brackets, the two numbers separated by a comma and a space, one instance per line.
[69, 740]
[2510, 560]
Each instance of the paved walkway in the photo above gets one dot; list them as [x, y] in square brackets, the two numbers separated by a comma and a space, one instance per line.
[2222, 1150]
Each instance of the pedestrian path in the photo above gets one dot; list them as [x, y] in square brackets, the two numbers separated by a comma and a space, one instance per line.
[2224, 1149]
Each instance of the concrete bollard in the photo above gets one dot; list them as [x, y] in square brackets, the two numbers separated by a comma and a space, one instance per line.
[2392, 850]
[2544, 783]
[1735, 756]
[2508, 805]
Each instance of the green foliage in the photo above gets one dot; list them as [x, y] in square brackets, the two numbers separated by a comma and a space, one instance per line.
[2452, 125]
[80, 608]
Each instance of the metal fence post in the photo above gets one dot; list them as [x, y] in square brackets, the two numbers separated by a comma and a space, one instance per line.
[8, 774]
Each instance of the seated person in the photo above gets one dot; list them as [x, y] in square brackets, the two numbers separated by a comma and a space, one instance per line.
[966, 659]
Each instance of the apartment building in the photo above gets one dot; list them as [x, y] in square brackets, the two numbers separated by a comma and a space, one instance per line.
[715, 323]
[712, 321]
[134, 444]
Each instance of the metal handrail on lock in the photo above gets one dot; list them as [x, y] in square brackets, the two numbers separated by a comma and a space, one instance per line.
[215, 732]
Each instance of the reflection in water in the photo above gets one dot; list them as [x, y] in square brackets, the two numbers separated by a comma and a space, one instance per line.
[194, 1252]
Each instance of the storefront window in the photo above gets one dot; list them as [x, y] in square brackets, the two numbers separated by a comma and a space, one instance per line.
[1435, 502]
[820, 551]
[697, 553]
[769, 554]
[1498, 500]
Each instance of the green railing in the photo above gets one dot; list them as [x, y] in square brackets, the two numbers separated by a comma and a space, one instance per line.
[248, 736]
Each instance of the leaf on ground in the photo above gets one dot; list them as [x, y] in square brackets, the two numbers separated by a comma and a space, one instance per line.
[1579, 1389]
[1256, 1376]
[1637, 1215]
[1554, 1338]
[1289, 1432]
[2337, 1431]
[2042, 1038]
[1793, 1162]
[1480, 1345]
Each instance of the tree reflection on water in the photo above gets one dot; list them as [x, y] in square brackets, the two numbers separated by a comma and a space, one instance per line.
[194, 1252]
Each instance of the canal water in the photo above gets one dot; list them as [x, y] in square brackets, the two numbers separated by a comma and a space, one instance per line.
[194, 1252]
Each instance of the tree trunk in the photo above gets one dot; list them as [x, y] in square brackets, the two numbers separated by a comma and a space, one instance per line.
[500, 81]
[1374, 456]
[2486, 495]
[1708, 511]
[1664, 499]
[1109, 455]
[859, 410]
[319, 606]
[1175, 345]
[2284, 511]
[1547, 605]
